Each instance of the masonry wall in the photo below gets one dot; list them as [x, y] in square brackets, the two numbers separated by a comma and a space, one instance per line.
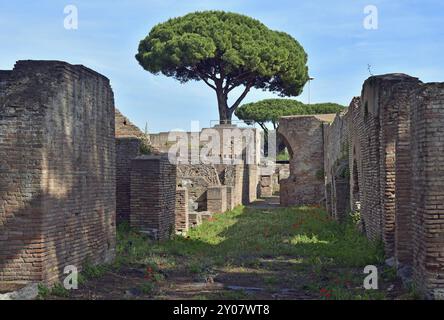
[304, 138]
[127, 148]
[57, 163]
[396, 153]
[153, 196]
[197, 179]
[181, 210]
[217, 199]
[427, 152]
[374, 129]
[336, 166]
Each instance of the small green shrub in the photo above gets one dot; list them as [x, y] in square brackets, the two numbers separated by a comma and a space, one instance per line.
[59, 291]
[43, 291]
[147, 288]
[145, 148]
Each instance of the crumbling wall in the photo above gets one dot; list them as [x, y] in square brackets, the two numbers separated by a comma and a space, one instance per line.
[396, 149]
[304, 138]
[127, 148]
[57, 163]
[197, 178]
[374, 129]
[266, 186]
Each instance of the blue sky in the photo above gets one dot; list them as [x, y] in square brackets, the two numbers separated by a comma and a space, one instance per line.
[409, 39]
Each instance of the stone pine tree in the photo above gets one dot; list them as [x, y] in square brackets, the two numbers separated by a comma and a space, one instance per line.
[270, 110]
[225, 51]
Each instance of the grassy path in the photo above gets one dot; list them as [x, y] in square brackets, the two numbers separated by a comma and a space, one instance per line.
[248, 253]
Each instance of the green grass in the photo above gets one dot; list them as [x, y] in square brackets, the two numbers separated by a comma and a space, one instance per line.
[242, 237]
[297, 248]
[305, 232]
[283, 156]
[56, 291]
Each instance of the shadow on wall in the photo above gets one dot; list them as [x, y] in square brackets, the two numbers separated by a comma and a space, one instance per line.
[58, 177]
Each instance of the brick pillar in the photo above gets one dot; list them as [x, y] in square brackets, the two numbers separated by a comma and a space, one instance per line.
[153, 196]
[403, 225]
[127, 148]
[427, 140]
[182, 224]
[217, 199]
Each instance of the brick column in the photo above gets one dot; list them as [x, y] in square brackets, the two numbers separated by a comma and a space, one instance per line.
[153, 196]
[182, 224]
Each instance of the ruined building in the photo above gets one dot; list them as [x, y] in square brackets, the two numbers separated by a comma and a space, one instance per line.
[381, 158]
[57, 171]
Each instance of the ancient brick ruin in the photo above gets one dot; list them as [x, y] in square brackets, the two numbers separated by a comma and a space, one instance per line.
[383, 159]
[68, 160]
[303, 136]
[153, 196]
[57, 171]
[128, 144]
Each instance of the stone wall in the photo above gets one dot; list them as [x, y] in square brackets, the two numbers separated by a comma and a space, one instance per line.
[303, 136]
[153, 196]
[217, 199]
[266, 186]
[57, 171]
[197, 179]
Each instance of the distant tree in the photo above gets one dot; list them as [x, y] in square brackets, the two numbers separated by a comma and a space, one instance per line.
[225, 50]
[270, 110]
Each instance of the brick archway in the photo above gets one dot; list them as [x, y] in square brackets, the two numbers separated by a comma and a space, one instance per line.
[303, 136]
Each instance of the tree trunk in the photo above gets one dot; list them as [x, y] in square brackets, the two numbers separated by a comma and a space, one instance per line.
[225, 113]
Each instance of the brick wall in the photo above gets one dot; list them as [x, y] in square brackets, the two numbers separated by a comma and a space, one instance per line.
[181, 212]
[336, 166]
[197, 178]
[303, 136]
[396, 147]
[57, 163]
[153, 196]
[427, 146]
[128, 145]
[127, 148]
[373, 130]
